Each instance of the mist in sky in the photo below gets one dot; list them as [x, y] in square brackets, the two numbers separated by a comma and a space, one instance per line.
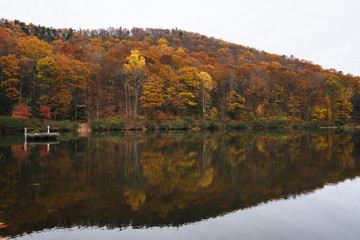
[324, 32]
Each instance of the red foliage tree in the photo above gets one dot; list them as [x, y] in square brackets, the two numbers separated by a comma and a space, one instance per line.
[21, 110]
[45, 111]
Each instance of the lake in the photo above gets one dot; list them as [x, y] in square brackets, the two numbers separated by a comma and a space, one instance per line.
[179, 185]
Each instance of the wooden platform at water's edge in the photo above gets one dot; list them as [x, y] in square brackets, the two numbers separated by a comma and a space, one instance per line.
[42, 135]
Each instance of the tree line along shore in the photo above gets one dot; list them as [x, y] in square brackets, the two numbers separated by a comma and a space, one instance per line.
[117, 78]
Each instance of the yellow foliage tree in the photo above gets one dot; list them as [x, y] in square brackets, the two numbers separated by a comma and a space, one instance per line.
[33, 48]
[236, 103]
[9, 73]
[206, 85]
[323, 112]
[339, 98]
[136, 69]
[60, 76]
[171, 87]
[189, 86]
[153, 94]
[54, 86]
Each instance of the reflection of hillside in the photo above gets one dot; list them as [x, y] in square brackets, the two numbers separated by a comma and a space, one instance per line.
[163, 180]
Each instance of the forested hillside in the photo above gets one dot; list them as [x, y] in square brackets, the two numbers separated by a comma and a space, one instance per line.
[161, 74]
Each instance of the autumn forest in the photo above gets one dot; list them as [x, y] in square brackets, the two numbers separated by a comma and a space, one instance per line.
[163, 75]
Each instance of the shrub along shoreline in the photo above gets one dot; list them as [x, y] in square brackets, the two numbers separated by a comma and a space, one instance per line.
[187, 123]
[8, 125]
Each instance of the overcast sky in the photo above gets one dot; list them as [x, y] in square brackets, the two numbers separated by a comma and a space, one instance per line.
[326, 32]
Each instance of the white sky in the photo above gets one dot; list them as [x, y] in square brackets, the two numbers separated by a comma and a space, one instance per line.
[326, 32]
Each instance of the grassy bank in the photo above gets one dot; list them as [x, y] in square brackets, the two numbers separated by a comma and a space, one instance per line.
[9, 125]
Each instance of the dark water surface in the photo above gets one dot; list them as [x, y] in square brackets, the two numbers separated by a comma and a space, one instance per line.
[243, 185]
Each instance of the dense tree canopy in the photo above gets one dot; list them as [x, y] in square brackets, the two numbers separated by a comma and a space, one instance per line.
[91, 74]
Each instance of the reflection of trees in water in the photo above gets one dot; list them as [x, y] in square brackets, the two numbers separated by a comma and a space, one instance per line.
[166, 179]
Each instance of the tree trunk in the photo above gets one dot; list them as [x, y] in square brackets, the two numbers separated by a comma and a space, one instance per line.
[2, 79]
[204, 106]
[34, 81]
[222, 111]
[308, 113]
[21, 83]
[126, 98]
[97, 109]
[76, 103]
[136, 101]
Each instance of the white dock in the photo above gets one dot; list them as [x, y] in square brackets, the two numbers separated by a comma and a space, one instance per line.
[41, 136]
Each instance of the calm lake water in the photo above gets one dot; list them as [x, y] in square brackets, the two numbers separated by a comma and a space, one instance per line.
[239, 185]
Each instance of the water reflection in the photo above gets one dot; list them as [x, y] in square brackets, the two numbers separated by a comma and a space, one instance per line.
[162, 179]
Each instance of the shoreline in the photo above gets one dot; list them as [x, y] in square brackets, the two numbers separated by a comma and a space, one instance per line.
[11, 125]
